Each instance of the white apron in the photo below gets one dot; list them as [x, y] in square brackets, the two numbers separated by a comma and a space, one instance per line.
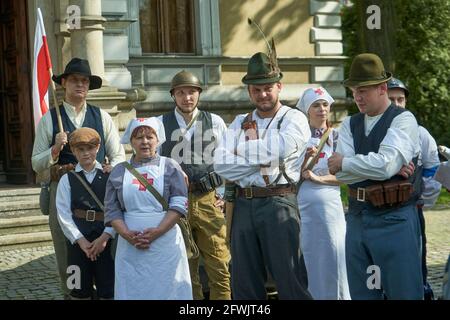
[323, 230]
[162, 271]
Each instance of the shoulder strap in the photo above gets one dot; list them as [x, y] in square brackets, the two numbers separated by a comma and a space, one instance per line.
[282, 118]
[248, 117]
[191, 123]
[282, 166]
[89, 190]
[147, 185]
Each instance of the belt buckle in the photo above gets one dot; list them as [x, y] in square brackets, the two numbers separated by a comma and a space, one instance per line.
[248, 193]
[359, 192]
[88, 213]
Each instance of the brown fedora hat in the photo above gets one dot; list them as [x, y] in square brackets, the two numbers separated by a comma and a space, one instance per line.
[366, 69]
[80, 66]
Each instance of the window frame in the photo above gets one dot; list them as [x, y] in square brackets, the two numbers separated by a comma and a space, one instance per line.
[206, 30]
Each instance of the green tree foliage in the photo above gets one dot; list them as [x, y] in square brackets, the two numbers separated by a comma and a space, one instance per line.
[422, 57]
[423, 62]
[351, 41]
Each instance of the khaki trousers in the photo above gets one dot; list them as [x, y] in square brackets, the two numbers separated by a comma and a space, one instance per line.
[209, 230]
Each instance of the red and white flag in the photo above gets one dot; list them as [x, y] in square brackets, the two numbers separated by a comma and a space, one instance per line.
[41, 71]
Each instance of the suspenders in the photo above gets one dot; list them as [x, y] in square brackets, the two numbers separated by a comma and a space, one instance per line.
[250, 123]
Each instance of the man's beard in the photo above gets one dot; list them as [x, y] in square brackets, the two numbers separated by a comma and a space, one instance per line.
[266, 108]
[187, 111]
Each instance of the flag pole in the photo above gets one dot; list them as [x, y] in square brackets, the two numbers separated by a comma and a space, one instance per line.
[55, 102]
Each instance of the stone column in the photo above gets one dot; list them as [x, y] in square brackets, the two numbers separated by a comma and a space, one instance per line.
[87, 35]
[86, 39]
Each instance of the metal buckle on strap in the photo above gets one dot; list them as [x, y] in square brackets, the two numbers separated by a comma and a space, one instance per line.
[88, 215]
[361, 194]
[248, 193]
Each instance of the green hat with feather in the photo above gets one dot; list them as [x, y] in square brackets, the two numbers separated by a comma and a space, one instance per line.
[263, 68]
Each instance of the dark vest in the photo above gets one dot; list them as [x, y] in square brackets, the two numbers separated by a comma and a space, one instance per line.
[195, 170]
[92, 119]
[371, 143]
[81, 199]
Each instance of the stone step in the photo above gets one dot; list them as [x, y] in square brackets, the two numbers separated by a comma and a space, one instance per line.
[24, 225]
[22, 194]
[25, 240]
[21, 198]
[19, 209]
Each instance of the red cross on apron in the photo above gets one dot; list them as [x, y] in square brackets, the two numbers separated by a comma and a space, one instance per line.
[141, 187]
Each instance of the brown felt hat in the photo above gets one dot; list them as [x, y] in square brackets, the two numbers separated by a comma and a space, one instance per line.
[262, 70]
[84, 136]
[79, 66]
[367, 69]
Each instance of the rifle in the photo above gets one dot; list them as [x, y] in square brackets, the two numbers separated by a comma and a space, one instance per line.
[311, 161]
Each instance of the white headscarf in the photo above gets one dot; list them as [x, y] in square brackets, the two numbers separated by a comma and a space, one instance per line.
[152, 122]
[310, 96]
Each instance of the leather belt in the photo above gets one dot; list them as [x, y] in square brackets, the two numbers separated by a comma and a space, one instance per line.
[262, 192]
[207, 183]
[89, 215]
[359, 194]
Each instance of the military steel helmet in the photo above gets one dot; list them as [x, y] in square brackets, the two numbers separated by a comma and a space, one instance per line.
[185, 79]
[395, 83]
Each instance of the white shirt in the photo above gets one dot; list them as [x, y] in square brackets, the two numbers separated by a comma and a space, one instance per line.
[398, 148]
[430, 161]
[41, 158]
[218, 125]
[428, 147]
[241, 161]
[63, 202]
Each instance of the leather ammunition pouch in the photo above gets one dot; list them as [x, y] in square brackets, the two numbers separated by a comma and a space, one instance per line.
[58, 170]
[207, 183]
[44, 198]
[250, 128]
[230, 192]
[387, 194]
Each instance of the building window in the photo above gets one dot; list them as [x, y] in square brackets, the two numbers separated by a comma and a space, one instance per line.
[167, 27]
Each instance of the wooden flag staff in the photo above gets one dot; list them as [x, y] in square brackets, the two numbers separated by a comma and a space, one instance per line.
[55, 101]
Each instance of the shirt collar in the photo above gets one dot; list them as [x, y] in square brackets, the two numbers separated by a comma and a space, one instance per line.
[180, 118]
[78, 167]
[145, 160]
[277, 115]
[70, 109]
